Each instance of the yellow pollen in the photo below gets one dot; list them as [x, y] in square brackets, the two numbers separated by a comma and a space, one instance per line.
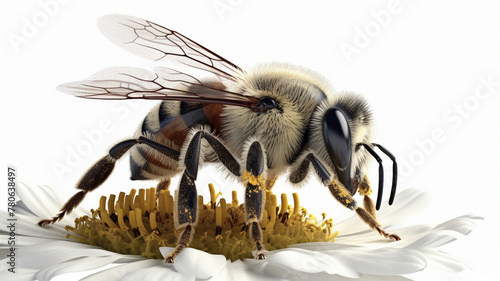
[140, 222]
[365, 192]
[253, 180]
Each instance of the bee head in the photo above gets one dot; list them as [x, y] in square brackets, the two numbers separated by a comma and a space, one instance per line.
[337, 127]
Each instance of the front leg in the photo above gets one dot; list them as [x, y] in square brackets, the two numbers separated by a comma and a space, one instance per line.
[365, 189]
[344, 197]
[338, 191]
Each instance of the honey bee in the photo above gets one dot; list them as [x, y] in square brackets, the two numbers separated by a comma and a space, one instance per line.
[259, 124]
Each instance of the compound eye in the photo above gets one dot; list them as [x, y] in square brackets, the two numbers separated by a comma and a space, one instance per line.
[337, 136]
[269, 103]
[265, 104]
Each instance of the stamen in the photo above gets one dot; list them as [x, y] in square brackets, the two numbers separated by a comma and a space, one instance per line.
[104, 215]
[296, 203]
[234, 198]
[139, 223]
[162, 203]
[284, 204]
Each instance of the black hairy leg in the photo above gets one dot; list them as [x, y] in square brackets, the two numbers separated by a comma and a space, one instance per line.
[100, 171]
[255, 190]
[340, 193]
[186, 206]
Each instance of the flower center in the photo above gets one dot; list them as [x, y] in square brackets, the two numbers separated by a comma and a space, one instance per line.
[141, 222]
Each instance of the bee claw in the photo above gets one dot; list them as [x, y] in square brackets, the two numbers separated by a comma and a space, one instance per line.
[261, 256]
[395, 237]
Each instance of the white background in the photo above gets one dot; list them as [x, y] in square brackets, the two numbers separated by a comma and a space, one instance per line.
[418, 63]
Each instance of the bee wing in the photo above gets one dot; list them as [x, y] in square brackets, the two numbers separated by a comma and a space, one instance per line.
[152, 41]
[163, 84]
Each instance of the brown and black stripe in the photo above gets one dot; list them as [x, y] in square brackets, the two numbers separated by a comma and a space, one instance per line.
[169, 123]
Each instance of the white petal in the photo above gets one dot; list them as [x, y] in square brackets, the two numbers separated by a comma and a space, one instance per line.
[22, 209]
[366, 277]
[311, 262]
[383, 261]
[44, 202]
[159, 272]
[445, 261]
[27, 226]
[351, 261]
[196, 263]
[40, 199]
[263, 270]
[463, 224]
[435, 239]
[46, 255]
[251, 270]
[82, 264]
[21, 273]
[373, 239]
[409, 202]
[118, 272]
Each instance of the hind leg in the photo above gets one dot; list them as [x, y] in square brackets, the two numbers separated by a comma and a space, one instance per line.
[101, 170]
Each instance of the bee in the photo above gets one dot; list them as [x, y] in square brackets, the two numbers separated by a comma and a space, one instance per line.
[259, 124]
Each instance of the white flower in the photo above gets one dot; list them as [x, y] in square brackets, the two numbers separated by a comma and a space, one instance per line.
[43, 253]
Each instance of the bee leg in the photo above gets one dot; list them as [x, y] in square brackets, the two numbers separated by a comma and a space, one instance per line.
[101, 170]
[345, 198]
[185, 215]
[253, 177]
[338, 191]
[164, 184]
[254, 195]
[186, 203]
[299, 173]
[270, 181]
[365, 190]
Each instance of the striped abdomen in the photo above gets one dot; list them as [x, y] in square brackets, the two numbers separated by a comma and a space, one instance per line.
[168, 123]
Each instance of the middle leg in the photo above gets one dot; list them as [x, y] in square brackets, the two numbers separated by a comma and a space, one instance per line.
[253, 176]
[185, 211]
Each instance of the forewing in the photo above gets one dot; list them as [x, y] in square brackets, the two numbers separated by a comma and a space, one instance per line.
[163, 84]
[155, 42]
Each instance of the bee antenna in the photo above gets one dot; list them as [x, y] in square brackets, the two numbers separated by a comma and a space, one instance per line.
[394, 171]
[380, 173]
